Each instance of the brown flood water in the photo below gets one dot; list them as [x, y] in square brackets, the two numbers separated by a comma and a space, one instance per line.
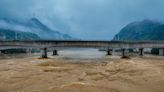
[67, 74]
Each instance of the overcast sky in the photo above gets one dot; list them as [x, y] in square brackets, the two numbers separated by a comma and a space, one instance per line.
[86, 19]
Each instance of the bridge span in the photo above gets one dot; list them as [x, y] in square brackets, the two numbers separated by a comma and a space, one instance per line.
[108, 45]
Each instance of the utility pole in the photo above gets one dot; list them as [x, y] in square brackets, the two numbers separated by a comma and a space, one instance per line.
[118, 37]
[15, 35]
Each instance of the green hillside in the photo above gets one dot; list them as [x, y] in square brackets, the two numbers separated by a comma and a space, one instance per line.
[144, 30]
[6, 34]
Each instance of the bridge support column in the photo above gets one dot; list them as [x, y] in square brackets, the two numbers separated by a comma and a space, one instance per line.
[28, 51]
[44, 53]
[125, 53]
[109, 52]
[141, 51]
[161, 51]
[55, 53]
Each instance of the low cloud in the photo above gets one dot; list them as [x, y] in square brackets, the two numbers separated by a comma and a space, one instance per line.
[87, 19]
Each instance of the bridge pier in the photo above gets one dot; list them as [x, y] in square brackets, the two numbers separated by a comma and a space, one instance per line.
[55, 53]
[44, 53]
[141, 51]
[109, 52]
[28, 51]
[125, 53]
[161, 51]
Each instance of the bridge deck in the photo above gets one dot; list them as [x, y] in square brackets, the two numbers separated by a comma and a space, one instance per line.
[81, 44]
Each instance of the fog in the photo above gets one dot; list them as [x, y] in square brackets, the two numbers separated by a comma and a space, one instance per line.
[86, 19]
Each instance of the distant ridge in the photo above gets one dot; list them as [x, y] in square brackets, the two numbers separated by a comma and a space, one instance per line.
[142, 30]
[34, 26]
[7, 34]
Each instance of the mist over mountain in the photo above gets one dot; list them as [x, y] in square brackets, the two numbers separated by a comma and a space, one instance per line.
[142, 30]
[85, 19]
[34, 26]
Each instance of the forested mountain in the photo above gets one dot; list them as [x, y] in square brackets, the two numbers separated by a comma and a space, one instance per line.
[144, 30]
[34, 26]
[6, 34]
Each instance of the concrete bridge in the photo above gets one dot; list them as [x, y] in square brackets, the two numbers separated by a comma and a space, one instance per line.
[108, 45]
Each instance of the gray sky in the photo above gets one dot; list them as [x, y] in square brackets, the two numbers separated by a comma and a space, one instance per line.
[86, 19]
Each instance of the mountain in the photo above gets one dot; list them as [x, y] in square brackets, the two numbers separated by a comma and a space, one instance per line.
[143, 30]
[6, 34]
[34, 26]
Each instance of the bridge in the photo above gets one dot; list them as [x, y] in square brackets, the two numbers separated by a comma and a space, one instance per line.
[44, 45]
